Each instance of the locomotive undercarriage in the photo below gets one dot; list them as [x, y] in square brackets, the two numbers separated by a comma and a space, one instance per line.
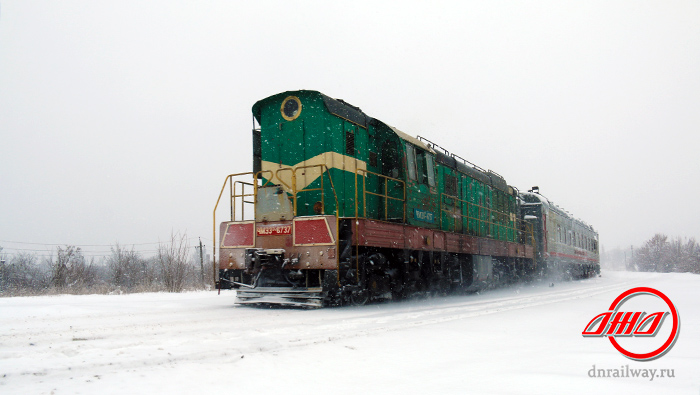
[268, 279]
[366, 274]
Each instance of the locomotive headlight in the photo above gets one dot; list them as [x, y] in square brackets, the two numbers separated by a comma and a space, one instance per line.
[291, 108]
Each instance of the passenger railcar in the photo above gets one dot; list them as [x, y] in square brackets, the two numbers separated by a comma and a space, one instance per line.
[565, 245]
[342, 208]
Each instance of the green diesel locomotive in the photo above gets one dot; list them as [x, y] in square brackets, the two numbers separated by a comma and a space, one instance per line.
[343, 208]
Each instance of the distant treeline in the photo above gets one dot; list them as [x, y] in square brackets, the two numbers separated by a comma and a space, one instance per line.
[661, 254]
[172, 269]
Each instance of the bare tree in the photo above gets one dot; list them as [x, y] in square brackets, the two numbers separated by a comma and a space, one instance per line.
[4, 272]
[653, 255]
[149, 275]
[688, 256]
[20, 275]
[124, 267]
[70, 270]
[173, 262]
[659, 254]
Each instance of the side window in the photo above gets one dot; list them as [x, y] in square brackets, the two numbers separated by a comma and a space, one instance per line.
[420, 167]
[559, 238]
[411, 162]
[430, 167]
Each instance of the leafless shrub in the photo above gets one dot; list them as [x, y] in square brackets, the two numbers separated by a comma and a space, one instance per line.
[70, 269]
[125, 267]
[20, 274]
[659, 254]
[173, 261]
[175, 268]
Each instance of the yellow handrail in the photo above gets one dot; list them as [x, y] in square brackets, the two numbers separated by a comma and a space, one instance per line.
[214, 240]
[296, 192]
[518, 226]
[489, 213]
[385, 195]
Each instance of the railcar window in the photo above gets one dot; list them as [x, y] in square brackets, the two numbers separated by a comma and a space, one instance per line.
[430, 169]
[411, 162]
[420, 167]
[559, 233]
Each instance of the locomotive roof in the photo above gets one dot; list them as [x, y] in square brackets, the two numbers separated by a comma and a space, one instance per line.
[348, 112]
[411, 139]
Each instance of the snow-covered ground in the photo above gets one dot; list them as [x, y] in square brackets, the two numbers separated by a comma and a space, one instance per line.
[521, 340]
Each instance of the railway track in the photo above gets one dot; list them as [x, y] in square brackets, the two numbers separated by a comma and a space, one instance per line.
[104, 336]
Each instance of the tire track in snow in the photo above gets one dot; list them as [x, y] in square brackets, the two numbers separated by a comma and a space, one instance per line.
[227, 334]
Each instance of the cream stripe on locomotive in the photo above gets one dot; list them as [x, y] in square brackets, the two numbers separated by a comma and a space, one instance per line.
[332, 160]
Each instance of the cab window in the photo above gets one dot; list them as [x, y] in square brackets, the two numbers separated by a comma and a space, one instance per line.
[430, 167]
[411, 162]
[421, 166]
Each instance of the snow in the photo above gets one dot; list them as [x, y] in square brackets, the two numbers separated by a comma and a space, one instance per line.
[525, 339]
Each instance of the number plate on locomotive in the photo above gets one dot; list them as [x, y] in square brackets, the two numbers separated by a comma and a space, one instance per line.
[274, 230]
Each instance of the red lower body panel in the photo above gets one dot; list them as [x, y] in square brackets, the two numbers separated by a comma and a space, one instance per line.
[372, 233]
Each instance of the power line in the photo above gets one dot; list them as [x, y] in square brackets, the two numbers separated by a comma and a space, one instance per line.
[87, 245]
[82, 250]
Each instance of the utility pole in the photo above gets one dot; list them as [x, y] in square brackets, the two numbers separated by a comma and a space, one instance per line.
[201, 258]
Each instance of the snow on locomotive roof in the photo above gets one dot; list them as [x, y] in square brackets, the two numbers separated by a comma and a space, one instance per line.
[411, 139]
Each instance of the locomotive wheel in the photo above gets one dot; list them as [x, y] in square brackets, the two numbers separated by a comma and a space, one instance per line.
[359, 297]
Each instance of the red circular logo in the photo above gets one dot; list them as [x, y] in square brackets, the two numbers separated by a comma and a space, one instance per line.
[616, 323]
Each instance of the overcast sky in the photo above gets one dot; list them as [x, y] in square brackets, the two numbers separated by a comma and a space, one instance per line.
[119, 120]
